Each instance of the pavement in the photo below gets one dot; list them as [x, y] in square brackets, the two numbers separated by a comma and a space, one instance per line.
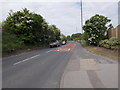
[87, 70]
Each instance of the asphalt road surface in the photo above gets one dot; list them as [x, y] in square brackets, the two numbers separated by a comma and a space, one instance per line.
[42, 68]
[36, 69]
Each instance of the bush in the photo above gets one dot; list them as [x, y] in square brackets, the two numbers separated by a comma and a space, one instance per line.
[10, 42]
[84, 43]
[110, 43]
[114, 41]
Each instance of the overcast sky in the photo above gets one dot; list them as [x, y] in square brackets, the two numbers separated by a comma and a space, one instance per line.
[65, 15]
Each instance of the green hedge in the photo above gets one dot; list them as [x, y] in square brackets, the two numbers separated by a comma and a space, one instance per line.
[10, 42]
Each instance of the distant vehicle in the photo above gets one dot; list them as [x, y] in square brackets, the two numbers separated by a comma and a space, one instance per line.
[54, 44]
[64, 42]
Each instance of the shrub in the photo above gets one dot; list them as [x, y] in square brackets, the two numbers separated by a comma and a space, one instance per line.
[114, 41]
[111, 43]
[84, 43]
[10, 42]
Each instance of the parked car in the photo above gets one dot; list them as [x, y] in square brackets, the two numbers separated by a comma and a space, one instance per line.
[54, 44]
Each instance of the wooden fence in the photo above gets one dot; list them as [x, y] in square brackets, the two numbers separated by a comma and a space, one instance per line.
[114, 32]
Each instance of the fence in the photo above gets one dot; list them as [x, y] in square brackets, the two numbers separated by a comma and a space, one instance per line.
[114, 32]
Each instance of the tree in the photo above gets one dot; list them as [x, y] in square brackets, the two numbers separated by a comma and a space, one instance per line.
[68, 37]
[63, 37]
[28, 28]
[76, 36]
[96, 28]
[54, 33]
[26, 25]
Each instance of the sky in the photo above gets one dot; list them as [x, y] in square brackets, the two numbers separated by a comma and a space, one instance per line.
[66, 15]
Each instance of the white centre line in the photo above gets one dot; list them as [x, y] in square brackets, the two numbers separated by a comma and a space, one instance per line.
[48, 51]
[26, 59]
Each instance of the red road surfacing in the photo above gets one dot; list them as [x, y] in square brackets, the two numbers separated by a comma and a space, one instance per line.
[66, 48]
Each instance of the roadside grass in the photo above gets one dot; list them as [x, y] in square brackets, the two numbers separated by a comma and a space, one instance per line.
[112, 54]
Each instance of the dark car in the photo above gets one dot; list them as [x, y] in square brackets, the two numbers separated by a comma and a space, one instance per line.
[54, 44]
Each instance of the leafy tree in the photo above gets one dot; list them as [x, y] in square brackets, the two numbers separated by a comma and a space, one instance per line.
[63, 37]
[54, 33]
[68, 37]
[76, 36]
[85, 37]
[96, 28]
[27, 28]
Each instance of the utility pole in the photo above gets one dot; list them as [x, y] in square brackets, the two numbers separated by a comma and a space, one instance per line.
[81, 17]
[76, 29]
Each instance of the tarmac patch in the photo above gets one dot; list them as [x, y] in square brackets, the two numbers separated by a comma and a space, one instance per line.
[88, 64]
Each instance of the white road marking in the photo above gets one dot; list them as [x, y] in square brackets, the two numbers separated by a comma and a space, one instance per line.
[26, 59]
[69, 49]
[48, 51]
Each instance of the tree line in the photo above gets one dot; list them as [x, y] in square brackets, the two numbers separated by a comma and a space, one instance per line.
[25, 28]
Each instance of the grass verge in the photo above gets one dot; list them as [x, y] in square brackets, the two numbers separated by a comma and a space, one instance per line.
[112, 54]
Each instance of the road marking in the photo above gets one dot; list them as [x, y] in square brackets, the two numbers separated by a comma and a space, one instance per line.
[69, 49]
[26, 59]
[66, 48]
[48, 51]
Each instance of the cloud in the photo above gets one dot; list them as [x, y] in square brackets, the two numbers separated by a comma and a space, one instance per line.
[109, 9]
[59, 0]
[65, 15]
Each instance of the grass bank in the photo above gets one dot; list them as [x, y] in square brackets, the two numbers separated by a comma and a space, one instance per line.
[112, 54]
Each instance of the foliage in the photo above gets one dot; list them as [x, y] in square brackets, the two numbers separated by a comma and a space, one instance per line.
[29, 28]
[96, 29]
[83, 43]
[54, 33]
[68, 37]
[63, 37]
[10, 42]
[110, 43]
[76, 36]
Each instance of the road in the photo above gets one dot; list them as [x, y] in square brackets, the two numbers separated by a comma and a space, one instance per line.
[45, 68]
[36, 69]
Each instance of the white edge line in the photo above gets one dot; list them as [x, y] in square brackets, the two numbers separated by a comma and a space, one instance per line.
[26, 59]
